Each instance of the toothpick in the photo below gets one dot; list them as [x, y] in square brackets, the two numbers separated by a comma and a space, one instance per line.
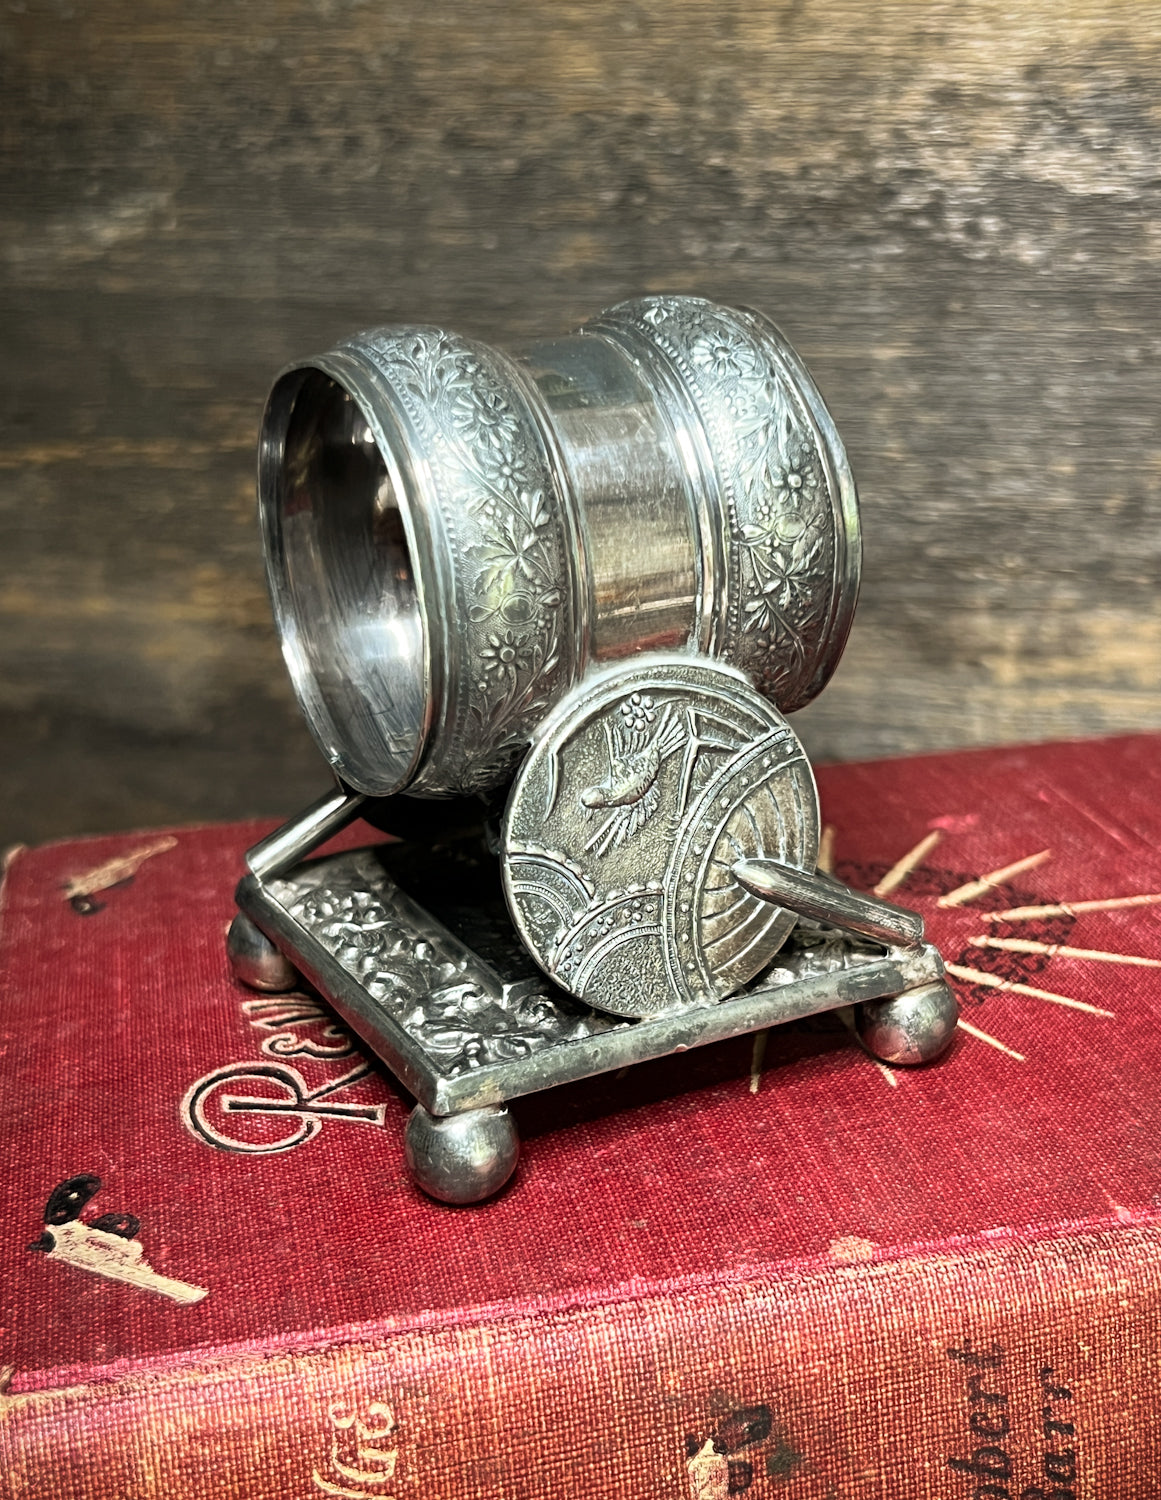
[975, 888]
[982, 1036]
[108, 1254]
[113, 871]
[846, 1014]
[1067, 908]
[756, 1058]
[826, 850]
[899, 872]
[994, 982]
[1061, 950]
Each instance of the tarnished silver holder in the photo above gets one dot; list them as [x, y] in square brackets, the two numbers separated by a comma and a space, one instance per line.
[607, 565]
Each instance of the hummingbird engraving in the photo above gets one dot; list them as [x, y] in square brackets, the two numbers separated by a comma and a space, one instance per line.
[638, 743]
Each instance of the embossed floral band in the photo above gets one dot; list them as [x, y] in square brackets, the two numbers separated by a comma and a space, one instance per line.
[455, 533]
[596, 571]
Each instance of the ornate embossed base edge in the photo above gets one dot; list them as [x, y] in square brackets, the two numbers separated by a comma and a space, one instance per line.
[849, 977]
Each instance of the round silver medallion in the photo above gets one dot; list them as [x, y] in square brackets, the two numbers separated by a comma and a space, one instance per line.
[643, 787]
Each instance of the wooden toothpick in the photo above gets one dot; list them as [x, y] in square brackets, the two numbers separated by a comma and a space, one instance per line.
[846, 1014]
[115, 870]
[1061, 950]
[975, 888]
[1067, 908]
[995, 982]
[899, 872]
[826, 850]
[756, 1059]
[982, 1036]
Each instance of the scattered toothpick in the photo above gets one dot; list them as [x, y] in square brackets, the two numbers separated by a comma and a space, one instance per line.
[899, 872]
[826, 850]
[1067, 908]
[756, 1060]
[976, 888]
[115, 870]
[846, 1014]
[983, 1036]
[995, 982]
[1062, 950]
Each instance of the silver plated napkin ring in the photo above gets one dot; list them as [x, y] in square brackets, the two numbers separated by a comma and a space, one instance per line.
[606, 565]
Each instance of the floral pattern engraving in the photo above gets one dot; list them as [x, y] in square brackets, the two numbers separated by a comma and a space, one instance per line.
[461, 1012]
[777, 488]
[493, 485]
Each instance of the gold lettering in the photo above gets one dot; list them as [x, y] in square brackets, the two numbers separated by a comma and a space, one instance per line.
[367, 1433]
[328, 1488]
[373, 1465]
[365, 1455]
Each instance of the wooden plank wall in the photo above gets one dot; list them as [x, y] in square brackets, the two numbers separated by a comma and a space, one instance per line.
[952, 206]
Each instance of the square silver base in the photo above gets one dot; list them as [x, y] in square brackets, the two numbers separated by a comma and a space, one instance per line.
[434, 979]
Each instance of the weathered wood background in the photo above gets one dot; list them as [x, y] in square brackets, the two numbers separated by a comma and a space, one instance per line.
[952, 206]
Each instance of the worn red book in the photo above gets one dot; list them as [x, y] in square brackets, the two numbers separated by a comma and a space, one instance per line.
[769, 1267]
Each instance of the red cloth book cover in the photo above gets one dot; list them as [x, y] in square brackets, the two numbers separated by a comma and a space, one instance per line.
[769, 1267]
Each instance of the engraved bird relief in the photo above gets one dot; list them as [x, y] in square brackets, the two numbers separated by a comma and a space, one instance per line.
[639, 743]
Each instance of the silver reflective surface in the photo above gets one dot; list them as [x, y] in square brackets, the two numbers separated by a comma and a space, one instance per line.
[343, 582]
[630, 491]
[454, 534]
[643, 788]
[432, 1012]
[778, 515]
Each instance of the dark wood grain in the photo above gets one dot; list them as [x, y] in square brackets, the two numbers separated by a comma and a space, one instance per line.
[954, 209]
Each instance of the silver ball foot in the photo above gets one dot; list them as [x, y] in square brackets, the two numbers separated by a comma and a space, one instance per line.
[910, 1028]
[461, 1158]
[255, 961]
